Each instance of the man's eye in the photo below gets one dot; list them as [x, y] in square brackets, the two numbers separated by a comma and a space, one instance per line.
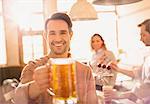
[51, 34]
[63, 33]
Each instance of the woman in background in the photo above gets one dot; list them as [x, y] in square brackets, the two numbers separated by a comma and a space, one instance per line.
[100, 63]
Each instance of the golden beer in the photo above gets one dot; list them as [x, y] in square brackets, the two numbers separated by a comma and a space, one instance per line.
[63, 79]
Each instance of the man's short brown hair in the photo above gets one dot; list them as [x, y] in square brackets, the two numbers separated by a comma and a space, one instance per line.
[147, 24]
[60, 16]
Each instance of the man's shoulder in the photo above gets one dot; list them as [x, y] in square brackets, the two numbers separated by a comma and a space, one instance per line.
[147, 58]
[82, 66]
[84, 72]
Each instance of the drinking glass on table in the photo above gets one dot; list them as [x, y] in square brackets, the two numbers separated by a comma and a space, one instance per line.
[107, 89]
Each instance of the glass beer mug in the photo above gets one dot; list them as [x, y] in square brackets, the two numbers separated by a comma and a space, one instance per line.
[63, 81]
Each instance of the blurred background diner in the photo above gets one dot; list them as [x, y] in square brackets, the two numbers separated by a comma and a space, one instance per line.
[22, 25]
[100, 61]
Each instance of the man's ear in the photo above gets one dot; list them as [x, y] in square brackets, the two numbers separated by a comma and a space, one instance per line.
[71, 34]
[44, 35]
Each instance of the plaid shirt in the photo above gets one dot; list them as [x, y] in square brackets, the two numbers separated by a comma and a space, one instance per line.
[85, 85]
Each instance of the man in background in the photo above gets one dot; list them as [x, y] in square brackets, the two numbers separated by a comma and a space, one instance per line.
[141, 91]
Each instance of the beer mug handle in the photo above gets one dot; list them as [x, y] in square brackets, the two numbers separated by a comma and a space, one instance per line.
[50, 92]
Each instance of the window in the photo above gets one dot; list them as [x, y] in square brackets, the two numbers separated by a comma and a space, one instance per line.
[31, 23]
[2, 39]
[32, 47]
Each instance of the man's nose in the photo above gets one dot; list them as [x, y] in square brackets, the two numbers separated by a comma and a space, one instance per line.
[58, 37]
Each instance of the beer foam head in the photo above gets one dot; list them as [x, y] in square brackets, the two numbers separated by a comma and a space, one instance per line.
[61, 60]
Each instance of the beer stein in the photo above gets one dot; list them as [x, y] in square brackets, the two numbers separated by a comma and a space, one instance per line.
[63, 81]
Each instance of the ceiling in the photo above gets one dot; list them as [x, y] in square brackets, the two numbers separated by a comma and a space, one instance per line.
[123, 10]
[130, 9]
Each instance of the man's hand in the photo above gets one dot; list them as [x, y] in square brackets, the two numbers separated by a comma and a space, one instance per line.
[42, 76]
[110, 94]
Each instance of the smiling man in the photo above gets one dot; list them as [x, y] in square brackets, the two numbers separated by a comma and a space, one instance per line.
[59, 40]
[35, 76]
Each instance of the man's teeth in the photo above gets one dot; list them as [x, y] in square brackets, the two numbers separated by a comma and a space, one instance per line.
[58, 45]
